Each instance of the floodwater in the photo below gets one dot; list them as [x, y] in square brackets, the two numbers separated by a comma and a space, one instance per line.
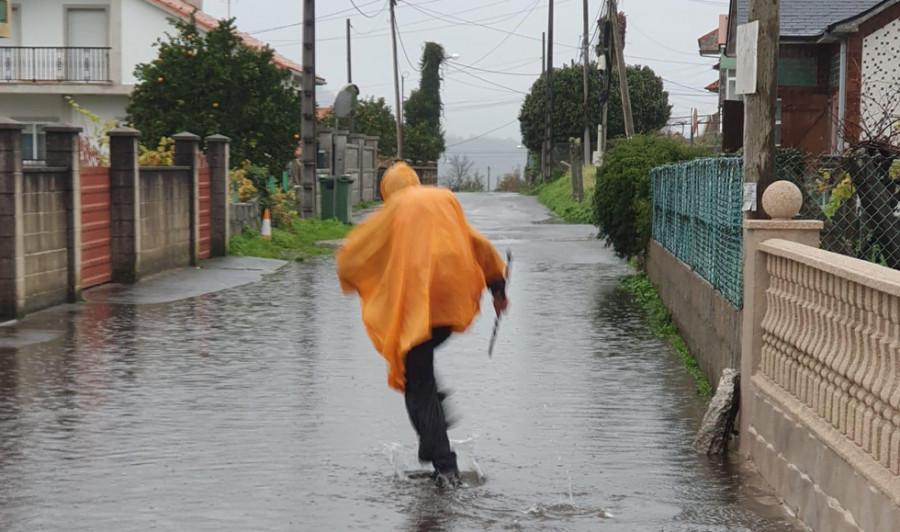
[264, 407]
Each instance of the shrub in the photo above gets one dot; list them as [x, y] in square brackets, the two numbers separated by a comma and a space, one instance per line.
[622, 202]
[239, 180]
[163, 155]
[512, 182]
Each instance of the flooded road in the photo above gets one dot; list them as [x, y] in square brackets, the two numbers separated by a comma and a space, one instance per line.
[264, 407]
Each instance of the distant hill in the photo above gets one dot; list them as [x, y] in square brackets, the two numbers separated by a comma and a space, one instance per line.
[500, 154]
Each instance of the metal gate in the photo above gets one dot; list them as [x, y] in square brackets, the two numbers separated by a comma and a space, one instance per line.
[96, 249]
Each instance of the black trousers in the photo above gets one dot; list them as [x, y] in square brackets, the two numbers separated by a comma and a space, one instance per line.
[423, 403]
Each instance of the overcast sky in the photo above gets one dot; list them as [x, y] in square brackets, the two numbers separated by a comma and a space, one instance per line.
[661, 33]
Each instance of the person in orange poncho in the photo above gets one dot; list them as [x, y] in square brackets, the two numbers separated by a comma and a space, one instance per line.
[419, 269]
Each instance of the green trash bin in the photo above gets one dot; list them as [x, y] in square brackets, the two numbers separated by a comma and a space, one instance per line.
[342, 205]
[326, 197]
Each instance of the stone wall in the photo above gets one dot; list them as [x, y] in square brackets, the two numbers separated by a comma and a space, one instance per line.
[709, 324]
[165, 218]
[244, 215]
[152, 220]
[45, 236]
[40, 222]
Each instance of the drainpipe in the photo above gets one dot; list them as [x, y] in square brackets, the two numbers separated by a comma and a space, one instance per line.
[842, 98]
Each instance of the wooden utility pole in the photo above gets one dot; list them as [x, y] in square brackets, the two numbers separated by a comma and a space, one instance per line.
[547, 155]
[543, 52]
[349, 61]
[397, 82]
[308, 179]
[349, 76]
[759, 108]
[619, 47]
[587, 62]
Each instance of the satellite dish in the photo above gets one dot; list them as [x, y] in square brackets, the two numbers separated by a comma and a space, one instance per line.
[345, 101]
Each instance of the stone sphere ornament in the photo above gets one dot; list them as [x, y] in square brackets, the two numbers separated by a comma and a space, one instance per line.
[782, 200]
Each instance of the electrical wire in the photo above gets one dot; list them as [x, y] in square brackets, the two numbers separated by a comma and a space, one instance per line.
[440, 16]
[499, 72]
[486, 133]
[403, 47]
[485, 80]
[353, 3]
[499, 44]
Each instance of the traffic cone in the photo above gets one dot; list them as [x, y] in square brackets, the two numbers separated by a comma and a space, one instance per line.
[267, 226]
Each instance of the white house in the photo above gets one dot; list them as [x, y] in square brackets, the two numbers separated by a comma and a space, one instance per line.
[88, 50]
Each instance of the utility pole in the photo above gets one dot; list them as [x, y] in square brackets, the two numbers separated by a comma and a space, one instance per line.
[547, 155]
[622, 68]
[397, 82]
[489, 179]
[308, 178]
[587, 62]
[349, 61]
[543, 52]
[349, 76]
[759, 107]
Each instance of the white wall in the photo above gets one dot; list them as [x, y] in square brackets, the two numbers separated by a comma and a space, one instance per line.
[35, 108]
[880, 65]
[43, 21]
[142, 24]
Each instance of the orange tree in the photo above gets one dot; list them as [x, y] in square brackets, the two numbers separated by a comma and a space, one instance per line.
[215, 83]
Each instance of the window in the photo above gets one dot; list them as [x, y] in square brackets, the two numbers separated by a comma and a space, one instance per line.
[4, 11]
[34, 142]
[731, 85]
[778, 123]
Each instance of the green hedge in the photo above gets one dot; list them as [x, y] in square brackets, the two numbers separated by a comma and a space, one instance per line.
[622, 203]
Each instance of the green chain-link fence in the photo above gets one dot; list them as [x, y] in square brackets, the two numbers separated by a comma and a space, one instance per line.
[697, 217]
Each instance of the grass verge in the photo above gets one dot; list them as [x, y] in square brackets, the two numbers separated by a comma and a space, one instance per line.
[296, 244]
[557, 196]
[660, 321]
[365, 205]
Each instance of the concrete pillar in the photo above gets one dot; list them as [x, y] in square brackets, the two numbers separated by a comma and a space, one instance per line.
[372, 184]
[340, 152]
[62, 151]
[756, 283]
[359, 142]
[218, 158]
[12, 221]
[325, 139]
[125, 204]
[187, 153]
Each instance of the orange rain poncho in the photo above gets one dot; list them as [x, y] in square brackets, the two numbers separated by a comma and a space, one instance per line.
[416, 264]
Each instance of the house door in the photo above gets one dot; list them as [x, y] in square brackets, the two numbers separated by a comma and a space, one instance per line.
[87, 39]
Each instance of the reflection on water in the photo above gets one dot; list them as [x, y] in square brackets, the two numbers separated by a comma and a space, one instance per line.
[265, 408]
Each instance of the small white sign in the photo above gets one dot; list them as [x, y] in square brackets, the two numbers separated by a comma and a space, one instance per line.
[749, 197]
[747, 53]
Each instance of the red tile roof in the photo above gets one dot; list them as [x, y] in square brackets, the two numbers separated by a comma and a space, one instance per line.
[209, 22]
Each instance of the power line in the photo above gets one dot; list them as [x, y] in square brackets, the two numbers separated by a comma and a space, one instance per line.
[484, 134]
[482, 87]
[353, 2]
[500, 72]
[485, 80]
[684, 86]
[440, 16]
[492, 50]
[403, 47]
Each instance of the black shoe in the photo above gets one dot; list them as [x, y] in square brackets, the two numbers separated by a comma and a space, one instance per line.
[448, 479]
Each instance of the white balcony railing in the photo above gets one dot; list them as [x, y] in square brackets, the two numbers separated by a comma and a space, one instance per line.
[61, 64]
